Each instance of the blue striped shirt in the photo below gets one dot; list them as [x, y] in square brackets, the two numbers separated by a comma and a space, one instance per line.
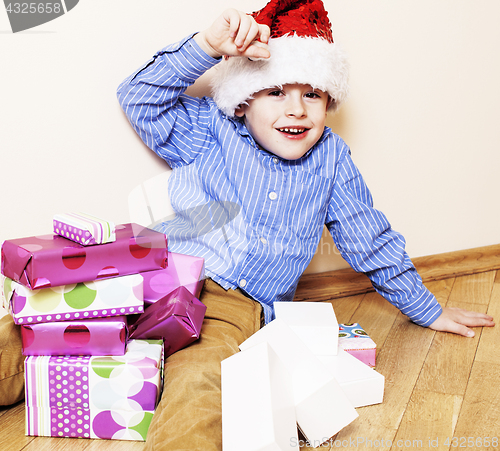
[256, 218]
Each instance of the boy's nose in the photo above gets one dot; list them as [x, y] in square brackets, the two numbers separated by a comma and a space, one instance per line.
[295, 108]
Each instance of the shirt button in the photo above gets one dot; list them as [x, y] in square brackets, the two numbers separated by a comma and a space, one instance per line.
[242, 283]
[275, 160]
[263, 240]
[273, 195]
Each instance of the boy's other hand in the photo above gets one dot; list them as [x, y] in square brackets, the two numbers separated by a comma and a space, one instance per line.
[235, 33]
[456, 320]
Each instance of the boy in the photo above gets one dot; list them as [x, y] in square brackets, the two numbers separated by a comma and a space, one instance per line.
[260, 144]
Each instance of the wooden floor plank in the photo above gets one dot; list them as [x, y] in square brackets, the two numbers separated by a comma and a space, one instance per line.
[489, 350]
[12, 436]
[56, 444]
[474, 289]
[448, 365]
[480, 414]
[115, 445]
[429, 419]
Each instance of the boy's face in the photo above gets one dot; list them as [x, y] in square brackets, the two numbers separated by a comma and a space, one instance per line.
[286, 121]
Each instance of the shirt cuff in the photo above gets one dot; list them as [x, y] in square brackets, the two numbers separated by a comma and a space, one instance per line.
[187, 59]
[423, 309]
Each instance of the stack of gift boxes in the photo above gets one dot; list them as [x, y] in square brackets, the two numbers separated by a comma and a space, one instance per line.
[94, 353]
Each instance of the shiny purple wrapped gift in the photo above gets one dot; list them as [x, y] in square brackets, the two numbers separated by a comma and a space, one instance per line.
[182, 271]
[51, 260]
[177, 318]
[98, 336]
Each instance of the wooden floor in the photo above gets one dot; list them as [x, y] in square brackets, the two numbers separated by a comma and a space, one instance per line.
[441, 391]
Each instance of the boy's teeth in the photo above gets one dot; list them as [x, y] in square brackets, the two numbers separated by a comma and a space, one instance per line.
[292, 130]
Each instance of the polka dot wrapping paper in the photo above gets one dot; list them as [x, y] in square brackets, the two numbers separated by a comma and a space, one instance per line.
[98, 336]
[100, 298]
[96, 397]
[354, 340]
[84, 229]
[182, 271]
[51, 260]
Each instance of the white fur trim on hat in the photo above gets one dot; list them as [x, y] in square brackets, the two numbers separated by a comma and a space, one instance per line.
[294, 59]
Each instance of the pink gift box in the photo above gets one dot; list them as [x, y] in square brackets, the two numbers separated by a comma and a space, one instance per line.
[182, 271]
[96, 397]
[177, 318]
[51, 260]
[99, 336]
[354, 340]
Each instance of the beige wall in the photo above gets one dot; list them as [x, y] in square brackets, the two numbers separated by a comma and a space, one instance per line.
[422, 119]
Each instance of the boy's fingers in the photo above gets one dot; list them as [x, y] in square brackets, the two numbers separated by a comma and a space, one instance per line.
[233, 18]
[241, 37]
[264, 33]
[471, 319]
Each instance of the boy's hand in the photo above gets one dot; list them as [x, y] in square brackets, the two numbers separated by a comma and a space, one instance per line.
[235, 33]
[456, 320]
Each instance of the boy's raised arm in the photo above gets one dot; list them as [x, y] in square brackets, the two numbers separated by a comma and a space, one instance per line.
[235, 33]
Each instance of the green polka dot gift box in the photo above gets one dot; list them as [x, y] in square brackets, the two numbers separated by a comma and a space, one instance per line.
[108, 297]
[108, 397]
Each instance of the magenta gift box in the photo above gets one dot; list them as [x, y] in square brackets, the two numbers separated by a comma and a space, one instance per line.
[111, 397]
[99, 336]
[51, 260]
[177, 318]
[182, 271]
[108, 297]
[354, 340]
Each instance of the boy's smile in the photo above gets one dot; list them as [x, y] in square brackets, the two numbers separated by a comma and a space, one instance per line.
[286, 121]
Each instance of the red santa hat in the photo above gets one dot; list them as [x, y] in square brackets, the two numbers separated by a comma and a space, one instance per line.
[302, 51]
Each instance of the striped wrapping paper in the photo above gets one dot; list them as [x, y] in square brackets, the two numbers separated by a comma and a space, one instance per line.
[96, 397]
[84, 229]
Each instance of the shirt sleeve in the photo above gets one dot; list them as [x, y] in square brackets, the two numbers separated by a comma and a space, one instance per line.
[367, 242]
[174, 125]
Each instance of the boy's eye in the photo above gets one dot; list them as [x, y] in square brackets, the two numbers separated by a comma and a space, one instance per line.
[275, 93]
[313, 95]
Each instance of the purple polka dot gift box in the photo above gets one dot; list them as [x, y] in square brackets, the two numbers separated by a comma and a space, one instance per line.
[108, 297]
[84, 229]
[94, 397]
[97, 336]
[354, 340]
[52, 260]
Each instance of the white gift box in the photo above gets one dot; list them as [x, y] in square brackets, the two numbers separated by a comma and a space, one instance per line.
[321, 406]
[363, 385]
[258, 412]
[314, 322]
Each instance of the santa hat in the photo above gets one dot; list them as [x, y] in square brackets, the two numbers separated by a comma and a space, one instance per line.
[302, 51]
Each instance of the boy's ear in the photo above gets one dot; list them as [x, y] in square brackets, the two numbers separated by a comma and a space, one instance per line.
[239, 111]
[331, 101]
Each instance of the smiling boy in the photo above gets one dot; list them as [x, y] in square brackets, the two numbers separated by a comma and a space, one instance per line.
[288, 121]
[260, 143]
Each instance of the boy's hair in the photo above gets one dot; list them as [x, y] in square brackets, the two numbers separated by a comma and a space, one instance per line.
[302, 51]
